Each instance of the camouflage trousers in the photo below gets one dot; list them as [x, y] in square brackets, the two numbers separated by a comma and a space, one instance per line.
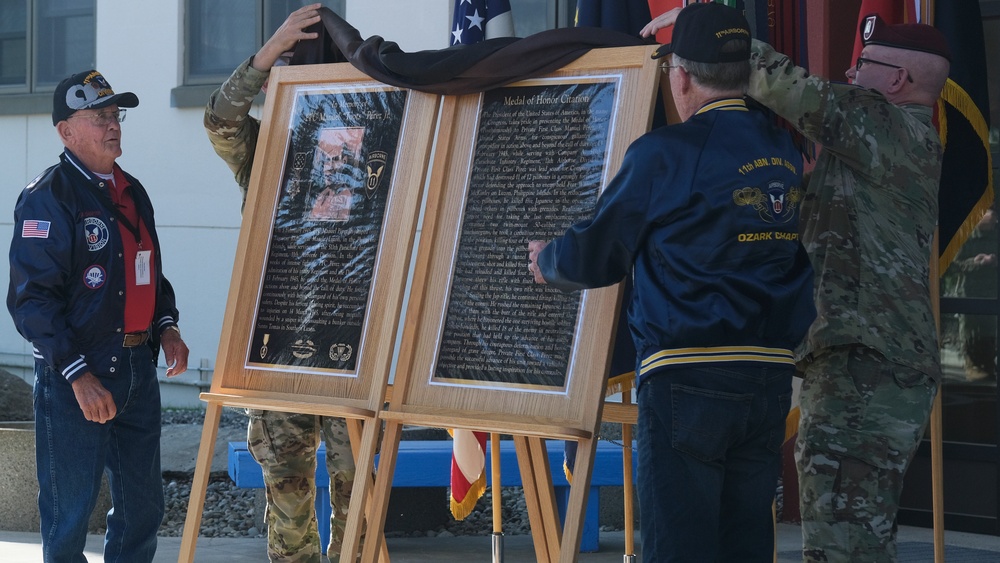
[285, 445]
[862, 418]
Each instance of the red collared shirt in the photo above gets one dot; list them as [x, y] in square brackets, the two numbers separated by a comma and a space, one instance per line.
[139, 299]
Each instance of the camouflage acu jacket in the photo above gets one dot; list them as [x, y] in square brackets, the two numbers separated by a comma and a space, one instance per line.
[869, 212]
[231, 129]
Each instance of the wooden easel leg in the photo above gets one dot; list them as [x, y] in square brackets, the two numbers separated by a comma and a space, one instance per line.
[576, 507]
[364, 438]
[542, 525]
[199, 483]
[379, 504]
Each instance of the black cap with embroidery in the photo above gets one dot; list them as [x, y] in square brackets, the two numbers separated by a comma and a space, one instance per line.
[87, 90]
[701, 30]
[910, 36]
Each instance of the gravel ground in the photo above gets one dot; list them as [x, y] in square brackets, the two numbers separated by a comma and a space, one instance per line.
[234, 512]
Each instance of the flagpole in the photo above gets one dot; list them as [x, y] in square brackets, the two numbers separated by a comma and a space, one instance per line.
[497, 498]
[936, 424]
[627, 480]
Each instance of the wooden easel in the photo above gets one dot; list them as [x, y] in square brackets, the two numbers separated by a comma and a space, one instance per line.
[357, 394]
[390, 131]
[427, 394]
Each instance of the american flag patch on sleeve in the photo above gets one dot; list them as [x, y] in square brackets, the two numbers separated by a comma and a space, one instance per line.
[35, 229]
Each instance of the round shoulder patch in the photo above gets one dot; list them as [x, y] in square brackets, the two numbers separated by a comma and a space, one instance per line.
[96, 232]
[94, 277]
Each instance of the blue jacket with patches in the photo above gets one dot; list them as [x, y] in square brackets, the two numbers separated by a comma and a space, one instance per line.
[66, 299]
[704, 216]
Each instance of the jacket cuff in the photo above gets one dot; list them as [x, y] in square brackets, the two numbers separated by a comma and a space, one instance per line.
[75, 369]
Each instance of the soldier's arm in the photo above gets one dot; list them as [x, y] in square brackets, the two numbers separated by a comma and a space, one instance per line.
[231, 129]
[829, 113]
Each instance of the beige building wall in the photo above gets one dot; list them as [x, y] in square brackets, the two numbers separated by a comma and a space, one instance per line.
[140, 49]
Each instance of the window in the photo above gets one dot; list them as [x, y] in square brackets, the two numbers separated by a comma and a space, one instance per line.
[221, 34]
[532, 16]
[44, 41]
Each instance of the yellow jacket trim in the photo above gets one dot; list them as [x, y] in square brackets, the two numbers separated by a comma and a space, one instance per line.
[680, 356]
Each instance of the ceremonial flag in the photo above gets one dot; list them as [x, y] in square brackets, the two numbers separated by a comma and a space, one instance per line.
[963, 124]
[468, 475]
[626, 16]
[657, 7]
[476, 20]
[787, 29]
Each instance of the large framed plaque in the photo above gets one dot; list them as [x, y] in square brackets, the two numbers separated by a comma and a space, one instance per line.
[484, 347]
[325, 244]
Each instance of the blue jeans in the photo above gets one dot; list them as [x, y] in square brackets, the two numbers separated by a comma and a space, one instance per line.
[709, 450]
[72, 453]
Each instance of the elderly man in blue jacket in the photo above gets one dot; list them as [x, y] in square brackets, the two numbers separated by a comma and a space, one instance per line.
[87, 291]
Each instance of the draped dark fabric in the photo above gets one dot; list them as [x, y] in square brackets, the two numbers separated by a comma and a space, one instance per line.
[456, 70]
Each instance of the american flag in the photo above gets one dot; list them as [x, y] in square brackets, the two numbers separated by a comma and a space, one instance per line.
[468, 471]
[33, 228]
[476, 20]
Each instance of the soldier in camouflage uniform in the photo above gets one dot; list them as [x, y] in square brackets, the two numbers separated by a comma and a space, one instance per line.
[283, 443]
[871, 358]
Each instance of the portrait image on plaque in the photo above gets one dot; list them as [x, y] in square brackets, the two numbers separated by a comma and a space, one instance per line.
[539, 160]
[329, 217]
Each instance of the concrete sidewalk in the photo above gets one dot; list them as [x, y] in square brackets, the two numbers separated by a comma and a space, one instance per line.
[916, 545]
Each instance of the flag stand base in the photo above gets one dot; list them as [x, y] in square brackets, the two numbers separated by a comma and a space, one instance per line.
[497, 547]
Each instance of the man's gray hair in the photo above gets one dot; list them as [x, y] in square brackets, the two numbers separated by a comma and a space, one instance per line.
[720, 76]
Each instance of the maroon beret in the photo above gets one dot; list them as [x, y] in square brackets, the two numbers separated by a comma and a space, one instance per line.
[910, 36]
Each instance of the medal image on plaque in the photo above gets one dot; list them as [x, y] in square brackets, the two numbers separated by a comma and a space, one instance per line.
[537, 167]
[327, 224]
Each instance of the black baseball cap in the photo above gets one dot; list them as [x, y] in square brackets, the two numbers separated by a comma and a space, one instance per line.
[87, 90]
[702, 29]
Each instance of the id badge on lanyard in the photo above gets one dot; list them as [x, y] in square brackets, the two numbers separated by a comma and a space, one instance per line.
[142, 267]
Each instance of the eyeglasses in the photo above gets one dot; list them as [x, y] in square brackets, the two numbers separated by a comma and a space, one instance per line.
[666, 68]
[863, 61]
[103, 119]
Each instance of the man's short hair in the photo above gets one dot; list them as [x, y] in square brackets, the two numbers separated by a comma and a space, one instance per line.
[730, 76]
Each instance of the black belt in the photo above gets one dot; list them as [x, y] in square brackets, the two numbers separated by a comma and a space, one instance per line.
[133, 339]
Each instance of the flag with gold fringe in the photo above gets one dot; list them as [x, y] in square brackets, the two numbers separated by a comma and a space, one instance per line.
[963, 124]
[472, 22]
[468, 471]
